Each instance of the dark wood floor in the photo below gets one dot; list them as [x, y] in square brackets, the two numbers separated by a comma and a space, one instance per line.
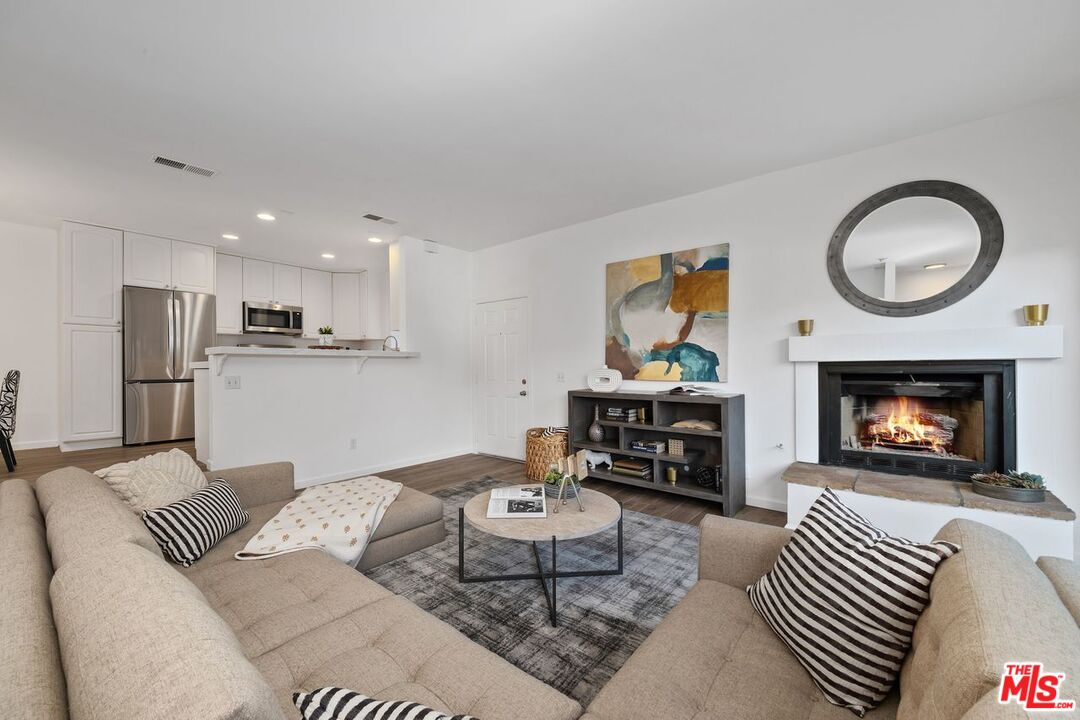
[427, 477]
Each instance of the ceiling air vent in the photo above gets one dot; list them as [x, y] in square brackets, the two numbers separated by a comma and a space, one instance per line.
[380, 218]
[177, 165]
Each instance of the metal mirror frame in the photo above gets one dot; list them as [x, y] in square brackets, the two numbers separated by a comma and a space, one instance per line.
[991, 240]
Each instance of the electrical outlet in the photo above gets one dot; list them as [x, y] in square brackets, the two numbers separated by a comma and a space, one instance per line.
[353, 442]
[232, 382]
[560, 376]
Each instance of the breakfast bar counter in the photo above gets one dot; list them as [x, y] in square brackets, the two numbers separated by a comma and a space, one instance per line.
[334, 414]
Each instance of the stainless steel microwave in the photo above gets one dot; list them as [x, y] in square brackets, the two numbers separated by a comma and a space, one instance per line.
[273, 318]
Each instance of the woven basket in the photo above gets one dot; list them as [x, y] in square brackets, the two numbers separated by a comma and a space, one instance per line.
[541, 451]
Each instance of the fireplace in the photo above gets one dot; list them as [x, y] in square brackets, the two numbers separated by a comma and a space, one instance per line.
[934, 419]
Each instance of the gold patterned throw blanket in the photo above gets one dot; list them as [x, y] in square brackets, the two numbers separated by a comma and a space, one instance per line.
[338, 518]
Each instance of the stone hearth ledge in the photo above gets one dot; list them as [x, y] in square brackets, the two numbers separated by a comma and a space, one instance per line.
[919, 489]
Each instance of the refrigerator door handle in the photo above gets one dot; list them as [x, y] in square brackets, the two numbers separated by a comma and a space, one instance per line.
[171, 308]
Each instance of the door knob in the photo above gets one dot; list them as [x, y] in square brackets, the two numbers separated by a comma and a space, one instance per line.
[523, 393]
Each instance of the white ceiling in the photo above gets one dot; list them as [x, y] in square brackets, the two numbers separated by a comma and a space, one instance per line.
[479, 121]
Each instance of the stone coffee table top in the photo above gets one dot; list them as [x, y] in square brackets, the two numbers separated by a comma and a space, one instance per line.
[919, 489]
[601, 513]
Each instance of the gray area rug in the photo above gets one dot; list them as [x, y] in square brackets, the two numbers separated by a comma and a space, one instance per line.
[602, 620]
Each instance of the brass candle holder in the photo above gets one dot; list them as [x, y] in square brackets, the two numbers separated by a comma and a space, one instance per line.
[806, 328]
[1036, 314]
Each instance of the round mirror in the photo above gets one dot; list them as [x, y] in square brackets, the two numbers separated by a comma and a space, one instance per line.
[915, 248]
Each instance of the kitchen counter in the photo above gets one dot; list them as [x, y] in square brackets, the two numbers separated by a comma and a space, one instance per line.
[220, 354]
[334, 414]
[294, 351]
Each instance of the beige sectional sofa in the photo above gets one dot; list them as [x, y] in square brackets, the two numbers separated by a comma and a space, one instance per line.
[714, 658]
[101, 626]
[96, 624]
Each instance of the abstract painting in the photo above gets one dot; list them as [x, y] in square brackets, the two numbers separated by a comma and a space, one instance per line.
[667, 316]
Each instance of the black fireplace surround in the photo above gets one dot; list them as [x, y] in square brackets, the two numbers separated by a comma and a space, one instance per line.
[934, 419]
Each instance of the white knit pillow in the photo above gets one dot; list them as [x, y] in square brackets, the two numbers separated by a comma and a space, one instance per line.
[155, 480]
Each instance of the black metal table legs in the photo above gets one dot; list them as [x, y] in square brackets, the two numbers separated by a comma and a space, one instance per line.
[550, 595]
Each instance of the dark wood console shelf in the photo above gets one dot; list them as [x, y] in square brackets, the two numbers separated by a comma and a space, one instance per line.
[723, 447]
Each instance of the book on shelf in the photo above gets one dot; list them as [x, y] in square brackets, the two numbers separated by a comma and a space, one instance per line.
[656, 447]
[633, 468]
[695, 390]
[629, 415]
[517, 501]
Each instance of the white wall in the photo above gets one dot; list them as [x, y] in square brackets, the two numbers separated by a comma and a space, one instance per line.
[779, 227]
[402, 410]
[29, 335]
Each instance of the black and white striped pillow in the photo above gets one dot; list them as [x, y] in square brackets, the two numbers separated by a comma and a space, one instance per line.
[844, 596]
[186, 529]
[332, 703]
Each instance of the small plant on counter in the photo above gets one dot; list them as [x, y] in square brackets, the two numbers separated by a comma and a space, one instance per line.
[326, 330]
[326, 336]
[1013, 479]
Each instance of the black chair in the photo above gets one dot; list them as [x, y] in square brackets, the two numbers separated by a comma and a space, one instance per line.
[9, 398]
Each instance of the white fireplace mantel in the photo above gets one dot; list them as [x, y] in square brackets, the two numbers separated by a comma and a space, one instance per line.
[1028, 346]
[1003, 343]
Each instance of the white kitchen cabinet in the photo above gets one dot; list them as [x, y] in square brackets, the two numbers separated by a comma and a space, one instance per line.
[156, 262]
[287, 285]
[317, 300]
[91, 274]
[258, 281]
[193, 267]
[271, 282]
[90, 383]
[378, 304]
[230, 294]
[147, 261]
[349, 295]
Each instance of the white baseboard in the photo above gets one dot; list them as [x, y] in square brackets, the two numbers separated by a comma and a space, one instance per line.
[372, 469]
[34, 444]
[90, 444]
[767, 503]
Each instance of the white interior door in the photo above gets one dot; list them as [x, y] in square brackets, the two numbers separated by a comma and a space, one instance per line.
[503, 392]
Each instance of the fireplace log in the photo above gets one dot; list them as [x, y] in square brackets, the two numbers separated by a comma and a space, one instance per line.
[936, 428]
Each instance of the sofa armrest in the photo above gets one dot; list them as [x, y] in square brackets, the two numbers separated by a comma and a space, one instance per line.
[736, 552]
[259, 484]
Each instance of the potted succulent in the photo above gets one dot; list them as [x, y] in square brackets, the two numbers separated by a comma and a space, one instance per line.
[326, 335]
[552, 481]
[1014, 485]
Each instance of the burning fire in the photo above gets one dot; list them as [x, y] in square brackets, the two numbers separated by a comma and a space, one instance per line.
[907, 425]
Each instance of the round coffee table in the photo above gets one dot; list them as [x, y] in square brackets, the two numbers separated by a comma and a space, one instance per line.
[570, 523]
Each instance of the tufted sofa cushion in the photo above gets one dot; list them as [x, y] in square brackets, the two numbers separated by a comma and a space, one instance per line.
[82, 514]
[138, 639]
[714, 658]
[31, 680]
[307, 621]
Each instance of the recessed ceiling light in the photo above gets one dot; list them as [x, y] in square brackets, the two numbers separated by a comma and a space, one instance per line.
[328, 256]
[374, 239]
[266, 216]
[229, 236]
[933, 266]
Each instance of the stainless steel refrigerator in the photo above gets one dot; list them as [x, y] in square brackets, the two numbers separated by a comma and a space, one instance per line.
[165, 331]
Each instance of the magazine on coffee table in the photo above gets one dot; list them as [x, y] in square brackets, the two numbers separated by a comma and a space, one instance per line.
[517, 501]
